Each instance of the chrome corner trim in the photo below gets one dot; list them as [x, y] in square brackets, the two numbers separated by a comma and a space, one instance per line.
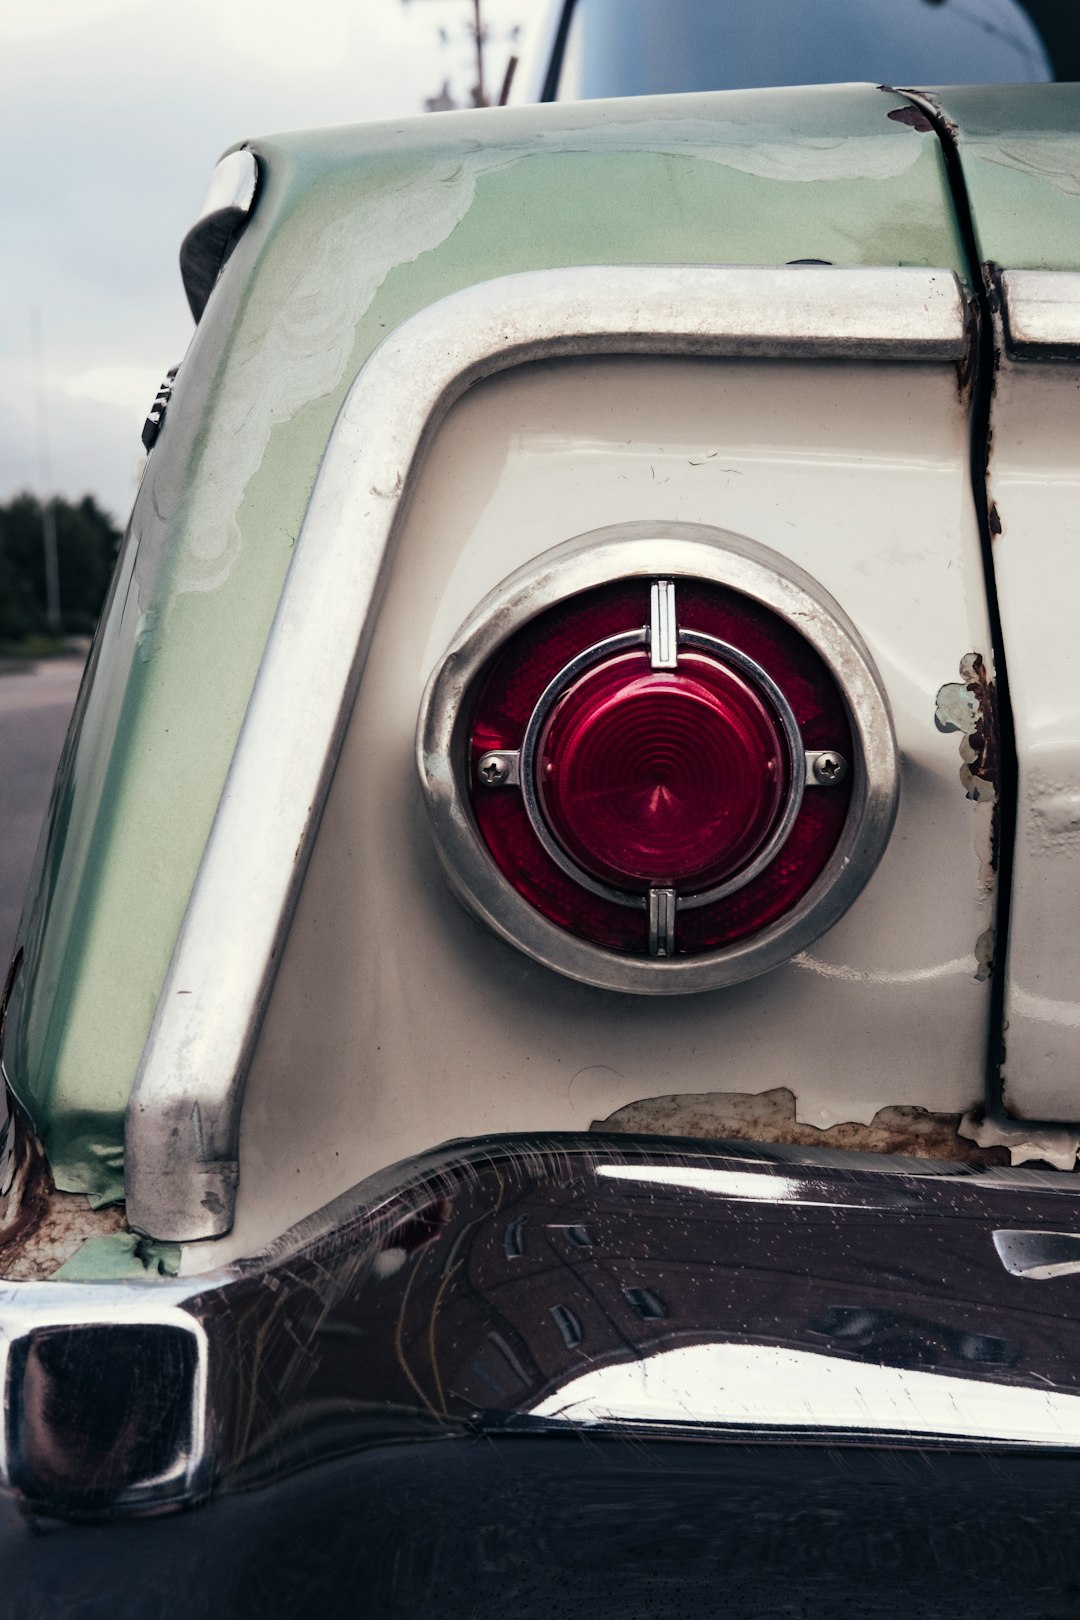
[1041, 314]
[225, 211]
[644, 549]
[184, 1112]
[134, 1349]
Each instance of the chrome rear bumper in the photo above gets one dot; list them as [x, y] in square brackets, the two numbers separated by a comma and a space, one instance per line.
[550, 1285]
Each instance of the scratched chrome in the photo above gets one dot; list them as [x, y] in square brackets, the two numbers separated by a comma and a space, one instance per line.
[183, 1116]
[566, 1283]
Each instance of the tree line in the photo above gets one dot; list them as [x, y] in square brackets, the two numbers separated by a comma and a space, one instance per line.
[87, 541]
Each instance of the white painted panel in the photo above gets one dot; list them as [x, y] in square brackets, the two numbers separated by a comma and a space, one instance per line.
[1035, 484]
[398, 1021]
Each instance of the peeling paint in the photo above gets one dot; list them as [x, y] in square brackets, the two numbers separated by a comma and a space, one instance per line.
[769, 1116]
[1025, 1142]
[111, 1256]
[939, 119]
[969, 706]
[914, 117]
[984, 954]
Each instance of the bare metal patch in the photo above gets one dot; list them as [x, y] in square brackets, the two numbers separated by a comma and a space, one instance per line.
[769, 1116]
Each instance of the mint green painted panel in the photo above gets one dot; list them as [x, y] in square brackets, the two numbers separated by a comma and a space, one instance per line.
[353, 232]
[1020, 151]
[120, 1255]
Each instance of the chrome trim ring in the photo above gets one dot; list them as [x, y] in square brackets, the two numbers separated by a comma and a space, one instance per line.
[792, 736]
[529, 794]
[631, 550]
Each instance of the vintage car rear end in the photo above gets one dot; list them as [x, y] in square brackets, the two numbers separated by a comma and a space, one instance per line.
[575, 781]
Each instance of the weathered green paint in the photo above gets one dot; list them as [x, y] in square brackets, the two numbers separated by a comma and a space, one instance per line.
[1019, 149]
[354, 231]
[120, 1255]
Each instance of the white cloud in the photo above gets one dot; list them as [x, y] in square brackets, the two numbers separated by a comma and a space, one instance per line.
[113, 115]
[130, 389]
[46, 19]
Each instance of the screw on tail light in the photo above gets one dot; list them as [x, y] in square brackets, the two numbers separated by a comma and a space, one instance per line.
[658, 760]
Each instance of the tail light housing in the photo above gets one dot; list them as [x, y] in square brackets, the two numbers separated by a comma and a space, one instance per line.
[658, 760]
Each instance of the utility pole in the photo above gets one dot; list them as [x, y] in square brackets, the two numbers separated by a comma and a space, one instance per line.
[481, 36]
[48, 502]
[479, 94]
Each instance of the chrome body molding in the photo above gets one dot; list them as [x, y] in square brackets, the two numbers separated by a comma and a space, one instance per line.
[224, 213]
[717, 1292]
[182, 1122]
[1041, 314]
[676, 550]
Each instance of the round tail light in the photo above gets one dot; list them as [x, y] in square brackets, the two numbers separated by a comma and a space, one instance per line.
[658, 762]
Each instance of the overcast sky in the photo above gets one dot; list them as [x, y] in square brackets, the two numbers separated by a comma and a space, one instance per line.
[112, 116]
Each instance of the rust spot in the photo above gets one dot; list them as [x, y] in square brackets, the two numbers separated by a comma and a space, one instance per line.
[935, 114]
[965, 368]
[993, 519]
[969, 706]
[984, 735]
[769, 1116]
[40, 1228]
[914, 117]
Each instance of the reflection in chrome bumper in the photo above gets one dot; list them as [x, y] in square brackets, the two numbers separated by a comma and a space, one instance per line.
[707, 1290]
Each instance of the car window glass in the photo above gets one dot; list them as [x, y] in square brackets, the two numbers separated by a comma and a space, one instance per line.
[646, 47]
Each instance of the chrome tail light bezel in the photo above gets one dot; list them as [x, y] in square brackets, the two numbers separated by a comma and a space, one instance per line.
[694, 551]
[671, 549]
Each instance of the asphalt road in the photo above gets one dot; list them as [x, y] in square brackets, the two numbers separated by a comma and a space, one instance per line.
[35, 707]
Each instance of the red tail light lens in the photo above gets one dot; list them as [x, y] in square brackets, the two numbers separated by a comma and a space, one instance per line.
[639, 751]
[655, 778]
